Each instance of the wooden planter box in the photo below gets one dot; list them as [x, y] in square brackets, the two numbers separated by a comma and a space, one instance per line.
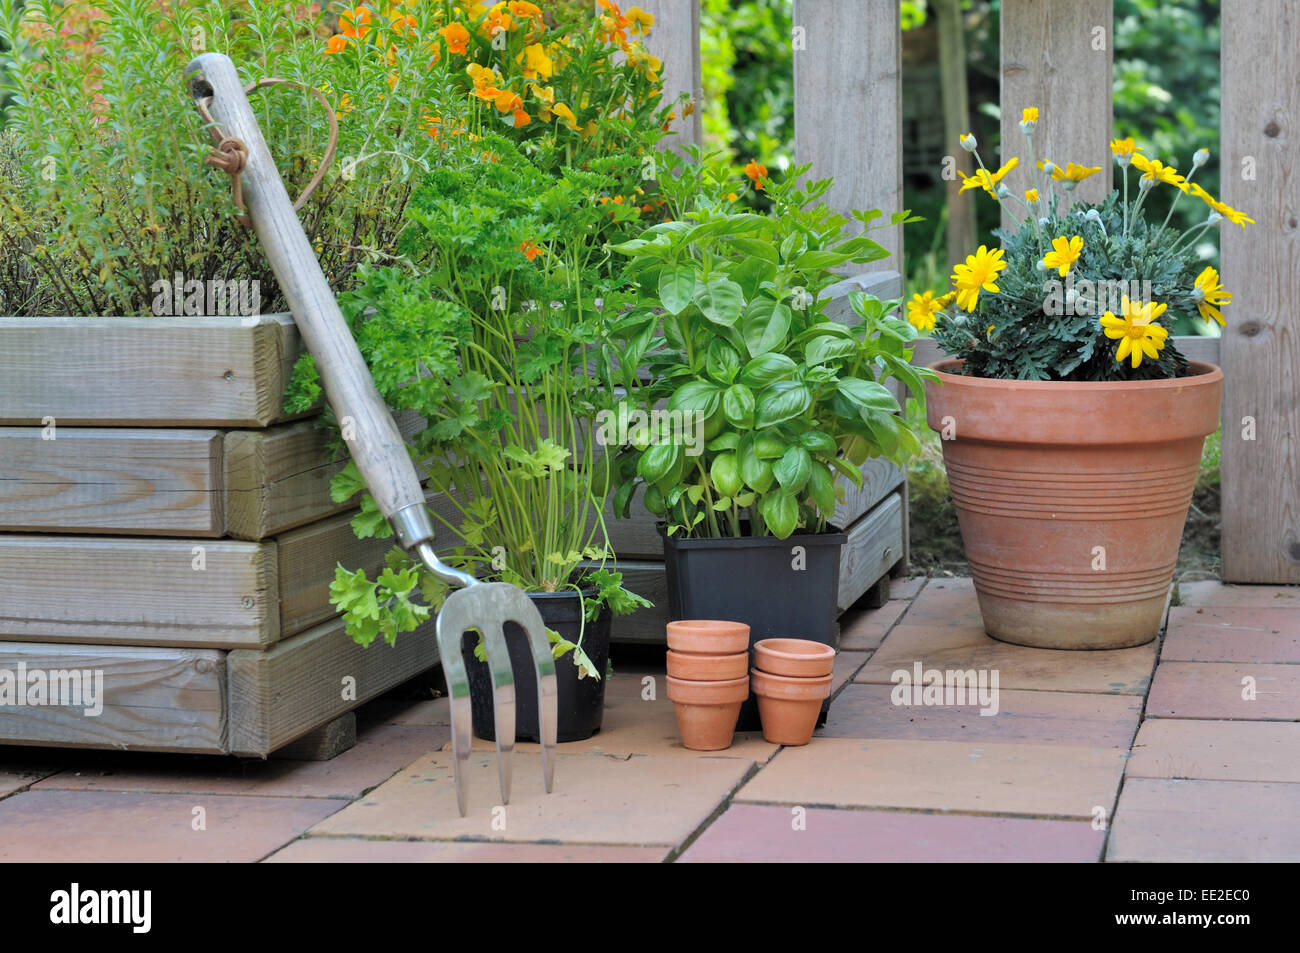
[177, 534]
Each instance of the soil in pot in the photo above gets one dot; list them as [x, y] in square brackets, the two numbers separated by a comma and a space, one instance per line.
[1071, 498]
[789, 706]
[581, 702]
[706, 711]
[708, 668]
[797, 658]
[708, 637]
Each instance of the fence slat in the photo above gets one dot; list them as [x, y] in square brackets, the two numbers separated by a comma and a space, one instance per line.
[848, 107]
[675, 39]
[1051, 59]
[1261, 266]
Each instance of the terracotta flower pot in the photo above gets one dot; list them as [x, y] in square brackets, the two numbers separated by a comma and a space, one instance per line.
[789, 706]
[707, 668]
[707, 711]
[1071, 497]
[708, 637]
[798, 658]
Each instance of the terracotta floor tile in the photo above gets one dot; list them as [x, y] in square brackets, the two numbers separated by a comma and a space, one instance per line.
[380, 752]
[430, 711]
[906, 588]
[1069, 718]
[349, 850]
[632, 725]
[1040, 780]
[596, 800]
[1207, 634]
[1122, 671]
[89, 826]
[1215, 593]
[1217, 750]
[863, 630]
[1215, 689]
[765, 833]
[946, 602]
[1169, 821]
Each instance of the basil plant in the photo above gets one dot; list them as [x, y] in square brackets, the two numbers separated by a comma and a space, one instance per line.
[744, 399]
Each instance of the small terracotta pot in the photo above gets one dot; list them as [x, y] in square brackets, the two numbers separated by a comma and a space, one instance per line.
[708, 637]
[798, 658]
[1071, 497]
[789, 706]
[707, 668]
[707, 711]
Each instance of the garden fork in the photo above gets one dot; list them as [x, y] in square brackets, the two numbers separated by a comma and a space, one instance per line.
[370, 433]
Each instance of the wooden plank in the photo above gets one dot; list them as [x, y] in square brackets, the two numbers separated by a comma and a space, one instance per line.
[848, 107]
[951, 27]
[1195, 347]
[1261, 266]
[885, 285]
[154, 699]
[648, 579]
[879, 479]
[874, 545]
[277, 479]
[278, 696]
[1057, 57]
[675, 39]
[122, 591]
[324, 743]
[179, 372]
[145, 481]
[308, 557]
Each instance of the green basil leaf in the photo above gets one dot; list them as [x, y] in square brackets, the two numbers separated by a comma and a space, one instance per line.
[676, 287]
[868, 395]
[765, 325]
[792, 470]
[767, 369]
[720, 300]
[783, 401]
[781, 512]
[738, 405]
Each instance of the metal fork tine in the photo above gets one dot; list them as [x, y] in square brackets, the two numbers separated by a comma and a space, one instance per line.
[547, 692]
[450, 630]
[503, 696]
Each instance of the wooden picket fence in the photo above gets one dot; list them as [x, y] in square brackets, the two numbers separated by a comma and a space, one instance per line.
[1058, 56]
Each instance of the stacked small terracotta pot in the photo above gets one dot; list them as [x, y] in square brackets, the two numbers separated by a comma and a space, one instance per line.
[708, 680]
[791, 677]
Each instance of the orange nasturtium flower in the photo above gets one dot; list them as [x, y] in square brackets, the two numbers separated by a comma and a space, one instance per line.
[457, 37]
[530, 249]
[525, 11]
[565, 113]
[355, 23]
[498, 20]
[757, 173]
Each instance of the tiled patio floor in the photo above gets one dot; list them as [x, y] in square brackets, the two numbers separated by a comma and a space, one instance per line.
[1186, 751]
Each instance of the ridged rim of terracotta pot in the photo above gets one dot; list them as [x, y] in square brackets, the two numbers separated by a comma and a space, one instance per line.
[785, 686]
[1072, 498]
[800, 658]
[707, 668]
[708, 637]
[723, 692]
[1037, 419]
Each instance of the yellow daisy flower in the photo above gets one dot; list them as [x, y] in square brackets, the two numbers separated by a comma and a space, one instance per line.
[1071, 173]
[986, 180]
[921, 311]
[1065, 252]
[980, 270]
[1157, 171]
[1138, 335]
[1212, 296]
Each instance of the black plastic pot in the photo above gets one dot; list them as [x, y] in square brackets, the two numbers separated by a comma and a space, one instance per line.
[581, 701]
[758, 581]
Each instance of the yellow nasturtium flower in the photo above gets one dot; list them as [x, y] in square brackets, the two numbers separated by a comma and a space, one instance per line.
[1136, 330]
[1065, 252]
[1212, 296]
